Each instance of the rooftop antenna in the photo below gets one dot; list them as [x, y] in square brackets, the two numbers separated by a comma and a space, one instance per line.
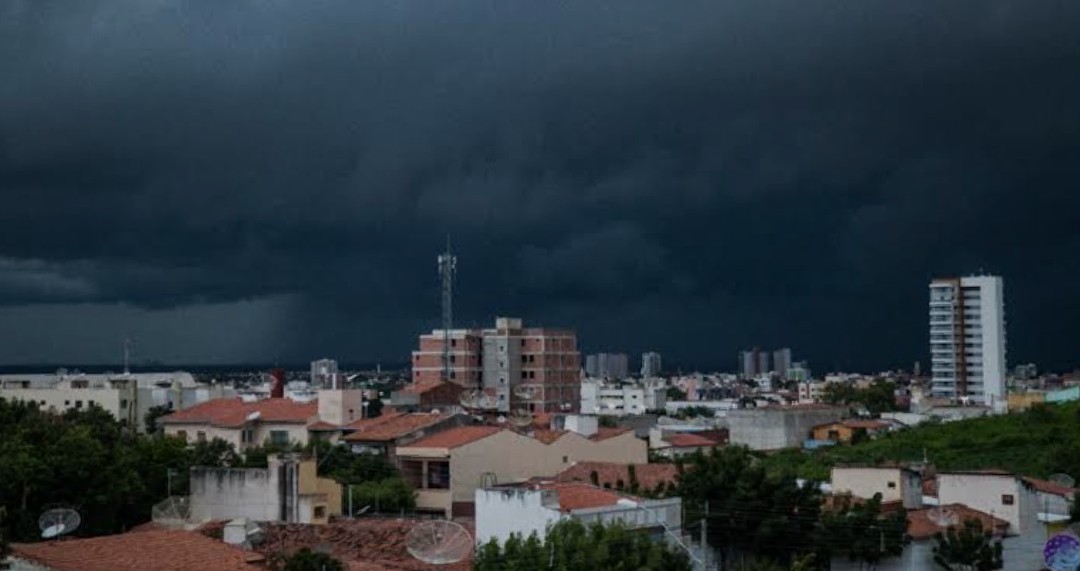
[55, 523]
[439, 542]
[447, 269]
[127, 356]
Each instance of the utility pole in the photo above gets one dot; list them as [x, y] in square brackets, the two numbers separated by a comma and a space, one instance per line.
[705, 538]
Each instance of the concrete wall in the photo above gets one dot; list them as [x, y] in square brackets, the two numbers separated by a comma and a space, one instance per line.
[906, 485]
[501, 513]
[341, 406]
[777, 428]
[221, 493]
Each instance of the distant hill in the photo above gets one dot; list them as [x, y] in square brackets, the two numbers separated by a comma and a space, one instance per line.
[1039, 442]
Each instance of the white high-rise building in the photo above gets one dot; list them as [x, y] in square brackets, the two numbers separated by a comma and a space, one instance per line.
[650, 365]
[967, 340]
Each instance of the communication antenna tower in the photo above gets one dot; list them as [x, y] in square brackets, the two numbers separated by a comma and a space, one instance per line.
[127, 356]
[447, 269]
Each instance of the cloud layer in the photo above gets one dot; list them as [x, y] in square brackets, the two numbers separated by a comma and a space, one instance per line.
[694, 178]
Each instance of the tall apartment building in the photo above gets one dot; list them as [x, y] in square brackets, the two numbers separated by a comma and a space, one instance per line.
[650, 365]
[607, 366]
[753, 363]
[967, 340]
[782, 362]
[521, 367]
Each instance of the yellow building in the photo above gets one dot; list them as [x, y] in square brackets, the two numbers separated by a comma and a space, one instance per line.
[1019, 402]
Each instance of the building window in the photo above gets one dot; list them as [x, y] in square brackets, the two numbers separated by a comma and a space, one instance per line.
[247, 436]
[123, 403]
[892, 485]
[320, 512]
[453, 375]
[200, 436]
[182, 435]
[67, 403]
[453, 342]
[1007, 499]
[351, 413]
[78, 404]
[565, 459]
[279, 437]
[438, 475]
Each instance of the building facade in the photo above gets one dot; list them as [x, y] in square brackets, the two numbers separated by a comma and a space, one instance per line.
[620, 400]
[324, 373]
[967, 340]
[651, 365]
[535, 369]
[782, 362]
[613, 366]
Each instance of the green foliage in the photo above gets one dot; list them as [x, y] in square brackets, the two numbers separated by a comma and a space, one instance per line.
[5, 545]
[608, 422]
[1039, 442]
[374, 408]
[750, 510]
[152, 417]
[879, 397]
[389, 495]
[216, 452]
[308, 560]
[970, 548]
[571, 546]
[859, 531]
[761, 564]
[695, 411]
[675, 393]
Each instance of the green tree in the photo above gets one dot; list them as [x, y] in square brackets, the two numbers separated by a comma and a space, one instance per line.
[216, 453]
[390, 495]
[675, 393]
[970, 548]
[308, 560]
[152, 416]
[860, 532]
[749, 510]
[374, 408]
[571, 546]
[5, 546]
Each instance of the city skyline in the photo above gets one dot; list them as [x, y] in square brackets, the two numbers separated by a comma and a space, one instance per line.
[738, 175]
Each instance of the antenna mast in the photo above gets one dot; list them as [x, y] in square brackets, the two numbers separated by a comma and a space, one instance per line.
[447, 269]
[127, 356]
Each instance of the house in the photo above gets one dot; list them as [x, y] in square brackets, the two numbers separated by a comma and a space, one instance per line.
[427, 395]
[895, 484]
[676, 444]
[287, 491]
[778, 427]
[244, 423]
[158, 550]
[502, 511]
[649, 477]
[383, 435]
[845, 431]
[1055, 500]
[448, 467]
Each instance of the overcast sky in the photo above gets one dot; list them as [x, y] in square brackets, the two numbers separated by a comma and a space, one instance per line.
[272, 179]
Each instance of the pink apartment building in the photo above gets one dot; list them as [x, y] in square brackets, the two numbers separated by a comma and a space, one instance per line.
[527, 368]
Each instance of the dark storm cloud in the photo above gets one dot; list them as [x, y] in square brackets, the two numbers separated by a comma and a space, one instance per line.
[696, 176]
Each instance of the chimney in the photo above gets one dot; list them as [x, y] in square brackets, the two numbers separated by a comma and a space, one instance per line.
[277, 389]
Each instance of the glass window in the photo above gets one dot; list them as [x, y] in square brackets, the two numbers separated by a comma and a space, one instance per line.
[279, 437]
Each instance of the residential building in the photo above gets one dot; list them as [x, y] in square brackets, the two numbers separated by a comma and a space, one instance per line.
[175, 550]
[894, 483]
[799, 372]
[535, 369]
[503, 511]
[619, 400]
[243, 423]
[782, 362]
[427, 396]
[383, 435]
[287, 491]
[1055, 500]
[651, 365]
[324, 373]
[845, 431]
[655, 478]
[967, 340]
[753, 363]
[1019, 402]
[677, 444]
[448, 467]
[778, 427]
[1000, 493]
[613, 366]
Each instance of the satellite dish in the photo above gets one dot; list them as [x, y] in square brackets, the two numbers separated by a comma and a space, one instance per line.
[942, 517]
[58, 522]
[521, 418]
[1063, 480]
[254, 416]
[439, 542]
[525, 392]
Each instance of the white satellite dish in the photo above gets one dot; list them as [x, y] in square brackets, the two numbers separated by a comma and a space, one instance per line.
[439, 542]
[254, 416]
[58, 522]
[1063, 480]
[521, 418]
[942, 517]
[525, 392]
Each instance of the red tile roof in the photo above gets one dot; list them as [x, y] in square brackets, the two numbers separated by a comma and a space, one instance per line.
[577, 496]
[689, 440]
[1052, 488]
[157, 550]
[454, 437]
[367, 422]
[548, 436]
[920, 526]
[323, 427]
[649, 476]
[233, 413]
[395, 427]
[603, 433]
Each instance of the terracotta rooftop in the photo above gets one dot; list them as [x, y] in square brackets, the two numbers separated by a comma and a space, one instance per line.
[365, 544]
[548, 436]
[454, 437]
[688, 440]
[579, 496]
[157, 550]
[920, 526]
[367, 422]
[1052, 488]
[603, 433]
[233, 412]
[395, 427]
[323, 427]
[649, 476]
